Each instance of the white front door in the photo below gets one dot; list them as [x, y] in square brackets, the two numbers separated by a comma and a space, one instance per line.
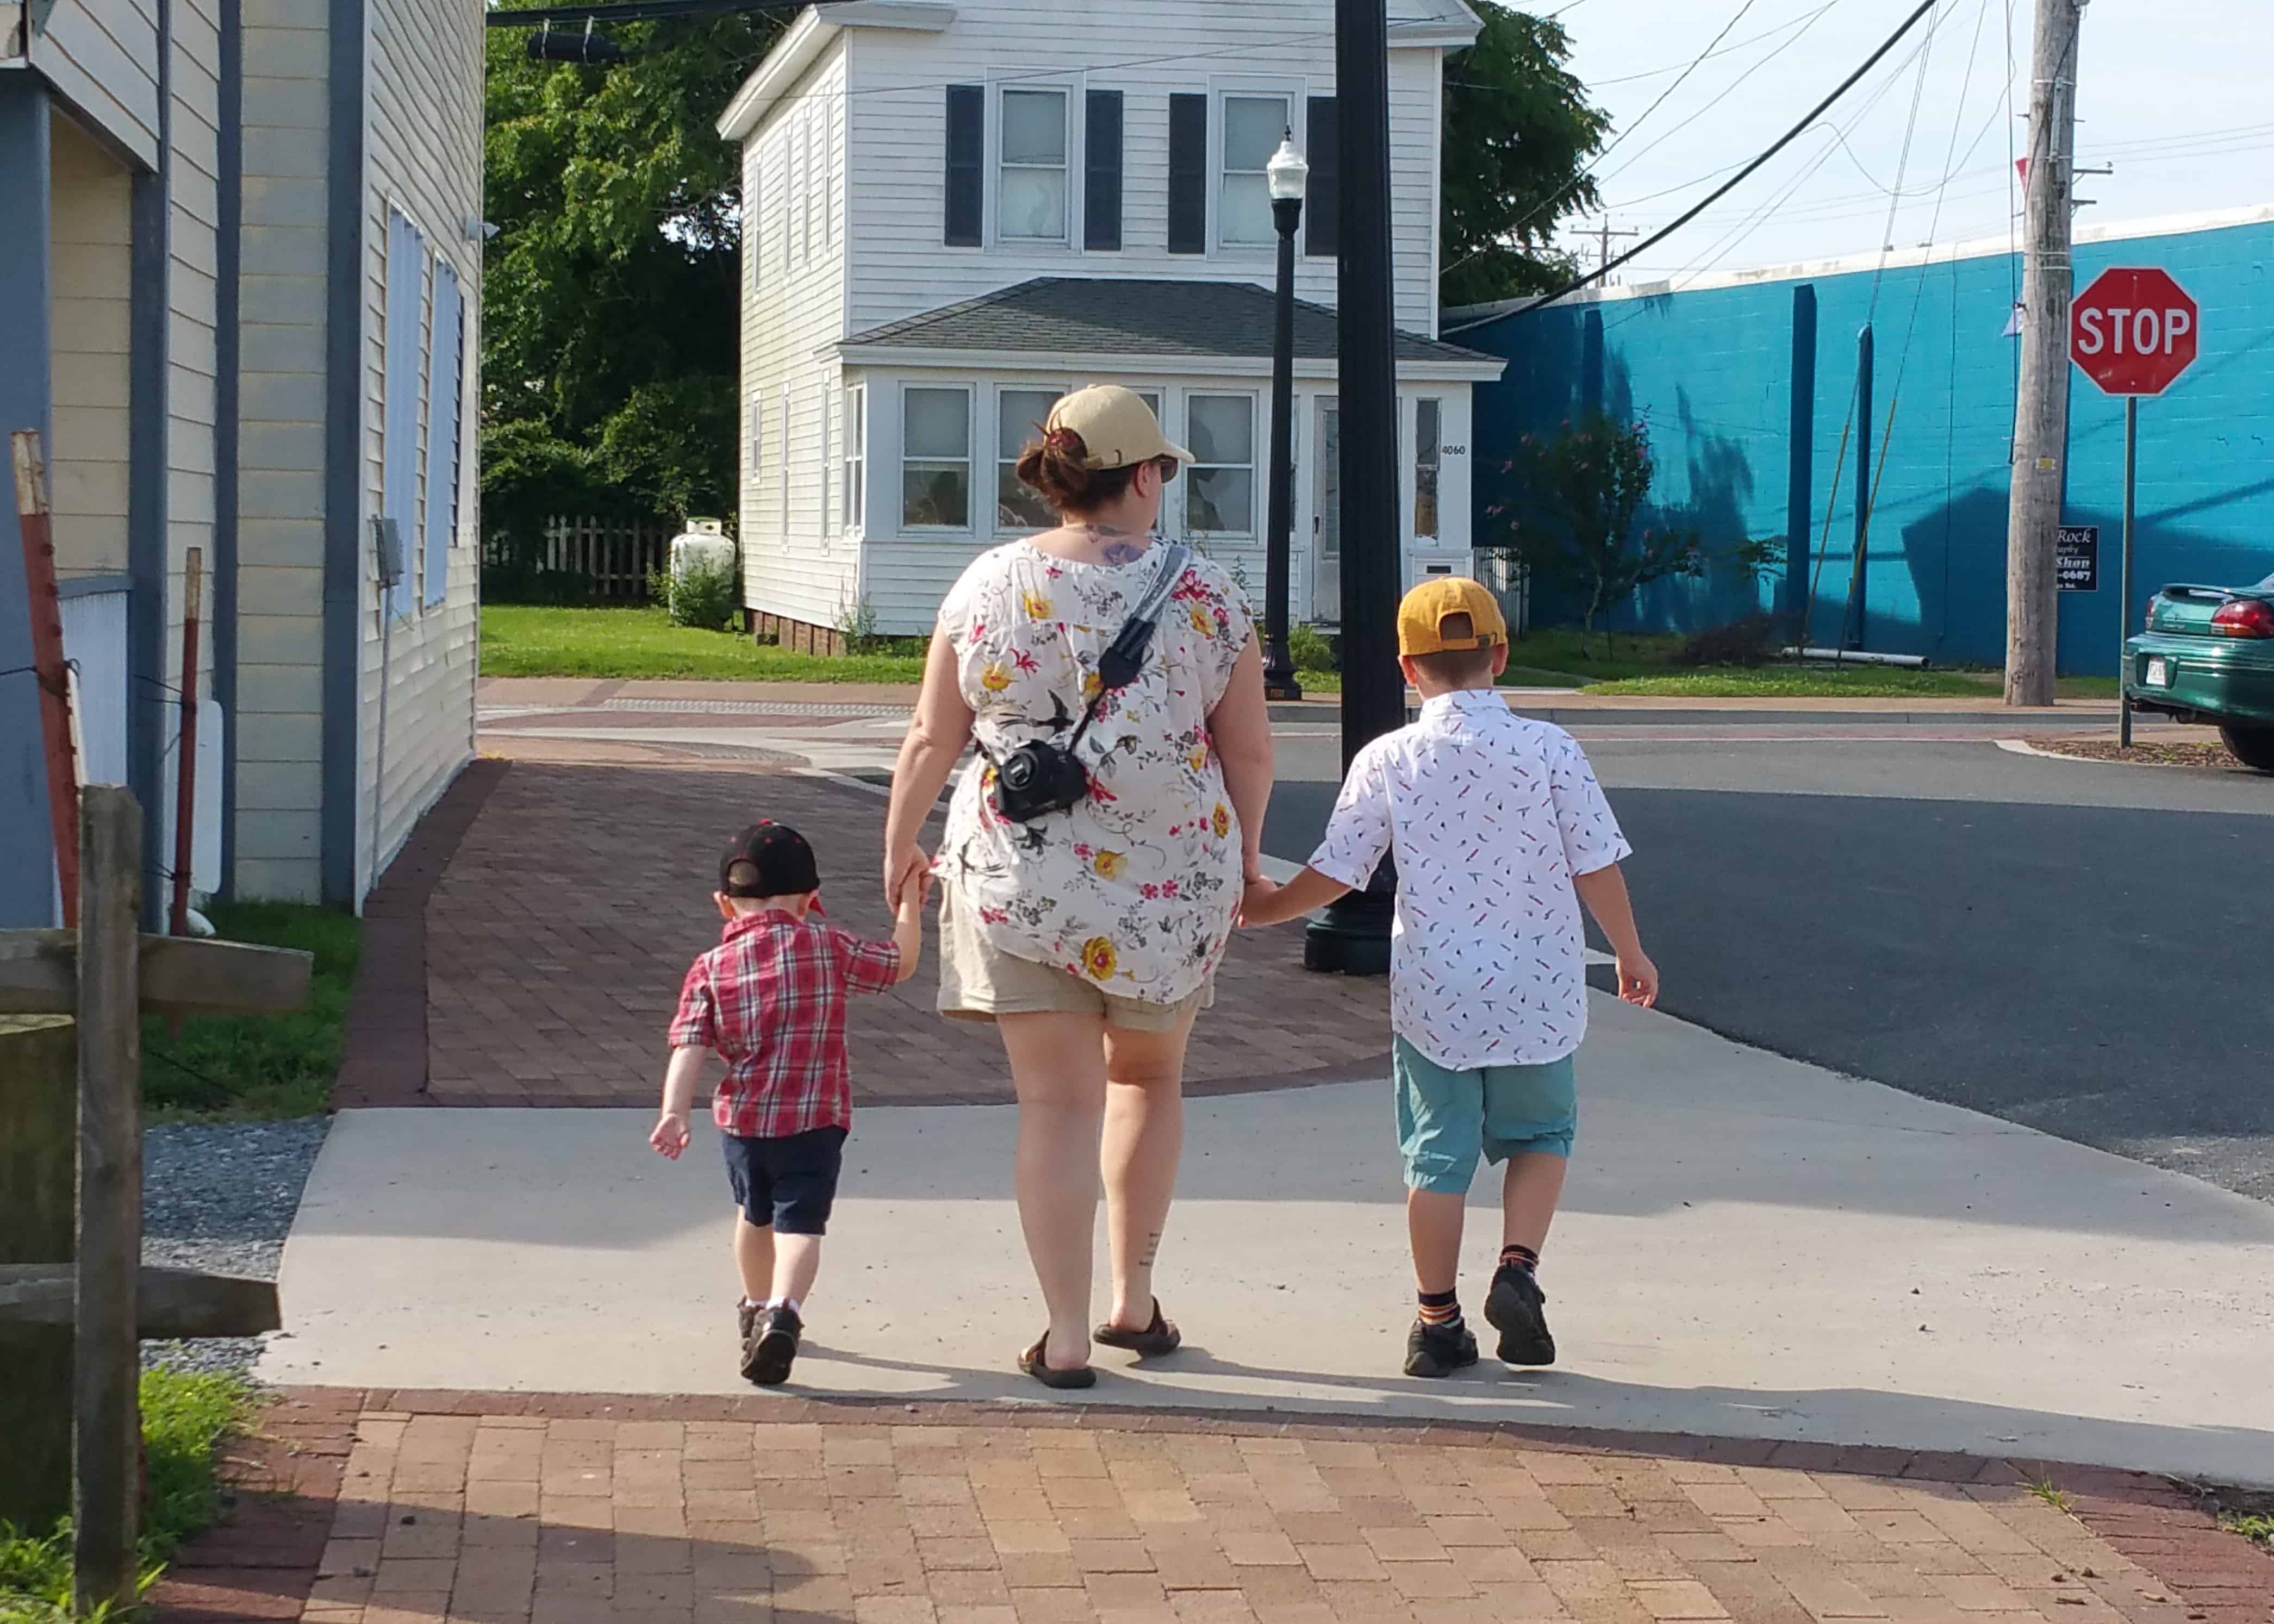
[1327, 517]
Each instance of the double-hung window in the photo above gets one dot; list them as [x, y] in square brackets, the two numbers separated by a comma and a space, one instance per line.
[1030, 190]
[1253, 126]
[1152, 399]
[1019, 416]
[831, 403]
[856, 456]
[1429, 429]
[935, 458]
[1220, 496]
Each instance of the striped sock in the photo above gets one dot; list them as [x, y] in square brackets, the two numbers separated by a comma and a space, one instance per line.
[1441, 1309]
[1523, 1257]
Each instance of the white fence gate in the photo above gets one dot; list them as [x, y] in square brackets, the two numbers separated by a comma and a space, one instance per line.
[613, 557]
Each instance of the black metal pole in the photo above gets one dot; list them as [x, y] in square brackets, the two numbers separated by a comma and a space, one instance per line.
[1278, 664]
[2124, 578]
[1354, 934]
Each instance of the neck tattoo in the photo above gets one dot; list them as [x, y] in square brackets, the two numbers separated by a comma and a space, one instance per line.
[1114, 545]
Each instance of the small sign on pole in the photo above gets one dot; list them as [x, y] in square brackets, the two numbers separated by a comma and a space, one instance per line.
[2079, 558]
[2133, 332]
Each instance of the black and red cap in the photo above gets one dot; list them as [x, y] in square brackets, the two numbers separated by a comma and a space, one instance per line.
[768, 860]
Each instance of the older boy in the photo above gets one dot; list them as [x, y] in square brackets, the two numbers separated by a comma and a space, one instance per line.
[1499, 831]
[771, 999]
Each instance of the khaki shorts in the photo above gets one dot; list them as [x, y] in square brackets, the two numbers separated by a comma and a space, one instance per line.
[978, 981]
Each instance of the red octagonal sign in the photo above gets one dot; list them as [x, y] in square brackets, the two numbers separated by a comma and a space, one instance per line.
[2134, 331]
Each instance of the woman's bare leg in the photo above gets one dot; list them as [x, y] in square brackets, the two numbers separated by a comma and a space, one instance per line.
[1144, 1139]
[1058, 1067]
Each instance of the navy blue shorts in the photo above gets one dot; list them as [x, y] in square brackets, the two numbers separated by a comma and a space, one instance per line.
[787, 1184]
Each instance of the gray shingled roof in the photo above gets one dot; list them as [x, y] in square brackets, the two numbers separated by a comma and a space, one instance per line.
[1112, 316]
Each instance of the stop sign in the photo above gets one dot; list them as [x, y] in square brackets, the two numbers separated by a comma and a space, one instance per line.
[2132, 331]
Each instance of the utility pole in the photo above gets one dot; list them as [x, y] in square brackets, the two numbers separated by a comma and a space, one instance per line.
[1603, 235]
[2040, 412]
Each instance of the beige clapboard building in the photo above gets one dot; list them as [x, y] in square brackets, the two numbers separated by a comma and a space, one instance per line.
[241, 265]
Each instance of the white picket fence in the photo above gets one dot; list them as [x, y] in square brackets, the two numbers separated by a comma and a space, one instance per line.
[613, 557]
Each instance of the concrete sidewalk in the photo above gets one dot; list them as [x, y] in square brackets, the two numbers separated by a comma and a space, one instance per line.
[1752, 1248]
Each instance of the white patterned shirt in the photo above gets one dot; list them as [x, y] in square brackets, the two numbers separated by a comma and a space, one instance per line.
[1490, 815]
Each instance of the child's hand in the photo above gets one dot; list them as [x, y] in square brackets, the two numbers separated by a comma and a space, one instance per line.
[1256, 901]
[1637, 979]
[671, 1135]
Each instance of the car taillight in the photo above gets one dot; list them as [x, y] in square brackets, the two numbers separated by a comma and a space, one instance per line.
[2244, 617]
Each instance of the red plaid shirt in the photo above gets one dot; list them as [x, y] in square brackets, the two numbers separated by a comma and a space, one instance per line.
[771, 999]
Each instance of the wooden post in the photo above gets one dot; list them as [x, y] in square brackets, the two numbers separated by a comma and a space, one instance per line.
[107, 1436]
[186, 753]
[47, 667]
[2041, 419]
[38, 1057]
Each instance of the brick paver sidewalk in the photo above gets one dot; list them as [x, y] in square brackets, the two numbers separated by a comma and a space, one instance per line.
[504, 1509]
[559, 928]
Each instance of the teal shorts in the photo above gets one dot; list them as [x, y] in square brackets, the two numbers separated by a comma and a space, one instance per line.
[1447, 1119]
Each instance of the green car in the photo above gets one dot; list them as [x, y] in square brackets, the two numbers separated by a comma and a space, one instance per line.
[2207, 656]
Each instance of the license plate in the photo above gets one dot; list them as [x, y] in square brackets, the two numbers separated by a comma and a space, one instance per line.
[2158, 674]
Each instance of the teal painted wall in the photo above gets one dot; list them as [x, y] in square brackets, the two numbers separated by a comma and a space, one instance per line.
[1710, 370]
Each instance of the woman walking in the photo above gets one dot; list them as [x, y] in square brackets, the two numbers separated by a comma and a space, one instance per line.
[1085, 917]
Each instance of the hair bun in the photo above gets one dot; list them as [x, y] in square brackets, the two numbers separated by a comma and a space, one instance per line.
[1067, 444]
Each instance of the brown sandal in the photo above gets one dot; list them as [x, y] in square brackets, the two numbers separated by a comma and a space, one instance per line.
[1156, 1340]
[1032, 1362]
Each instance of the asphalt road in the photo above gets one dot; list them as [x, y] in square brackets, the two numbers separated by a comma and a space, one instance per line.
[2083, 949]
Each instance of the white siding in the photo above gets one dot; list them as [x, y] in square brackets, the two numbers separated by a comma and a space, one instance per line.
[91, 329]
[103, 55]
[281, 453]
[793, 165]
[424, 148]
[900, 267]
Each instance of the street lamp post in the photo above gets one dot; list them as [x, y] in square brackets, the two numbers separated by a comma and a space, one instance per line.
[1287, 174]
[1353, 937]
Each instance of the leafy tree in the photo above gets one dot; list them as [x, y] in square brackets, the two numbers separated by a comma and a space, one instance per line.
[1579, 491]
[612, 292]
[1518, 133]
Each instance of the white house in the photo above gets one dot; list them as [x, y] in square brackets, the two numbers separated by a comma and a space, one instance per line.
[954, 213]
[242, 265]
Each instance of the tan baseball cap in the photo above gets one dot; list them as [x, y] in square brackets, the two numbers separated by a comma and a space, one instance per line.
[1118, 429]
[1422, 614]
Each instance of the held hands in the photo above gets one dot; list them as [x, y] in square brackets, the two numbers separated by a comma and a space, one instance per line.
[901, 868]
[671, 1135]
[1259, 902]
[1637, 979]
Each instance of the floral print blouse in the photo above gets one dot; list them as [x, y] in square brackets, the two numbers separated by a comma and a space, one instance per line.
[1135, 889]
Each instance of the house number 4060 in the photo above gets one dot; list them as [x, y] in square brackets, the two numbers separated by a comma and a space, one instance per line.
[1455, 450]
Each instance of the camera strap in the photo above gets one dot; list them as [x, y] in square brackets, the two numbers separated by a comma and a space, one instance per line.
[1124, 658]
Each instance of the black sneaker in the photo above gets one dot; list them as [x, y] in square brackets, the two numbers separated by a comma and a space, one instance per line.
[772, 1346]
[1512, 1308]
[1439, 1349]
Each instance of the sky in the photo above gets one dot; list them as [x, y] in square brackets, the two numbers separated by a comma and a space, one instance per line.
[2171, 93]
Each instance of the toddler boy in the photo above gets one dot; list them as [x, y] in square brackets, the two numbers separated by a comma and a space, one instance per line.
[1499, 831]
[769, 1000]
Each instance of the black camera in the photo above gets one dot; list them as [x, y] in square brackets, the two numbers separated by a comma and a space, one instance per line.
[1039, 779]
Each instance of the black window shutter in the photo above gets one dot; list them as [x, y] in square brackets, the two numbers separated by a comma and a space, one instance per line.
[1101, 199]
[967, 141]
[1324, 200]
[1188, 175]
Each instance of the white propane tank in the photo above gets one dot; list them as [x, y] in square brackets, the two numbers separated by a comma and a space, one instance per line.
[704, 543]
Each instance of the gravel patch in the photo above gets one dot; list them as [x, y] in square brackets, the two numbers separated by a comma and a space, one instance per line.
[220, 1197]
[2143, 753]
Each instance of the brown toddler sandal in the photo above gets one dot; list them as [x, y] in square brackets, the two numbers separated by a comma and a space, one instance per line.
[1156, 1340]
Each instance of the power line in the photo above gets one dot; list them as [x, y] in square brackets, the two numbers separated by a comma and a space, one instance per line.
[1740, 177]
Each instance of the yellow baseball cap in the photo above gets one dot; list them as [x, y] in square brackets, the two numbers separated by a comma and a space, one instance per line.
[1422, 614]
[1118, 429]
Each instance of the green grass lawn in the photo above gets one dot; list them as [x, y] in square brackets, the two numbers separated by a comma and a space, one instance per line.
[260, 1066]
[185, 1415]
[521, 640]
[527, 641]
